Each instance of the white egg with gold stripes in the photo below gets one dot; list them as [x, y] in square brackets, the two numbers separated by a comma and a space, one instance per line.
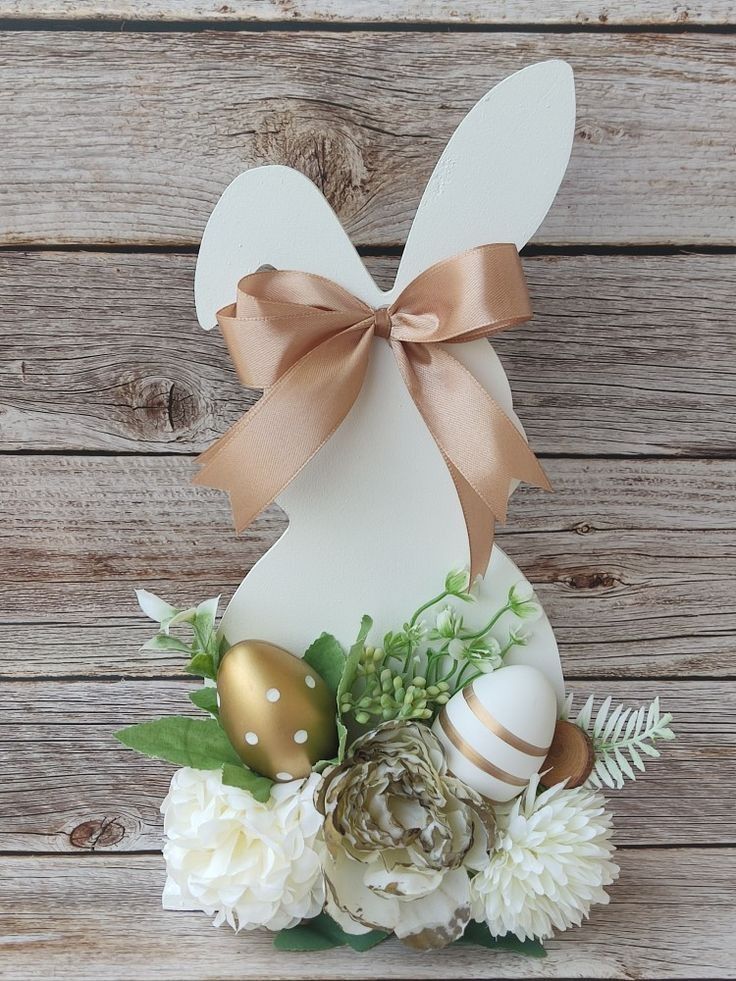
[497, 731]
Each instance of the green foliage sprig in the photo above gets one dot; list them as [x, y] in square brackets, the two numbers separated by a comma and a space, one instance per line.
[414, 673]
[204, 648]
[199, 743]
[419, 668]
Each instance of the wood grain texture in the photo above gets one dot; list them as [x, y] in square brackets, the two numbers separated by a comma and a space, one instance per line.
[547, 12]
[77, 789]
[633, 561]
[671, 916]
[130, 138]
[624, 381]
[626, 355]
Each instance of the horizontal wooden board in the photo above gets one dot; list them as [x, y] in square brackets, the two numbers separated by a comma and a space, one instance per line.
[130, 137]
[473, 12]
[671, 916]
[627, 354]
[77, 789]
[634, 561]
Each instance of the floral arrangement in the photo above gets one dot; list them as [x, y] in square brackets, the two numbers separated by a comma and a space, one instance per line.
[322, 797]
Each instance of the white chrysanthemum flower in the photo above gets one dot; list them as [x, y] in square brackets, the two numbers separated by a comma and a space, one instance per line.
[245, 863]
[551, 860]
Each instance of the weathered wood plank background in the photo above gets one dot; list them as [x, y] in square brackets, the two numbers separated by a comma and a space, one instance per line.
[121, 123]
[658, 13]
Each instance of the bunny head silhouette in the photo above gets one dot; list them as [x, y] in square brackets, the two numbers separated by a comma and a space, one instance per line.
[374, 518]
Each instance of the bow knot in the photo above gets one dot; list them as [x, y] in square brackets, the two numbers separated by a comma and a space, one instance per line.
[382, 322]
[298, 336]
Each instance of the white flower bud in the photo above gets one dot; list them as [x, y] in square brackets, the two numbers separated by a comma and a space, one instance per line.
[457, 581]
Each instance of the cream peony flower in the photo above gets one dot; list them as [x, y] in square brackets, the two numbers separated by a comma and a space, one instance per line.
[245, 863]
[401, 836]
[551, 861]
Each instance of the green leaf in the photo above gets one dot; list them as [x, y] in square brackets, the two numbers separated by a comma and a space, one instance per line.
[203, 624]
[164, 642]
[206, 699]
[303, 938]
[479, 935]
[348, 678]
[351, 662]
[199, 743]
[342, 740]
[457, 581]
[322, 933]
[240, 776]
[321, 765]
[365, 941]
[207, 612]
[327, 658]
[154, 607]
[203, 665]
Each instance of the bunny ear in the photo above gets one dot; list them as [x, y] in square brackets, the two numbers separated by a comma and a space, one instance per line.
[500, 171]
[273, 216]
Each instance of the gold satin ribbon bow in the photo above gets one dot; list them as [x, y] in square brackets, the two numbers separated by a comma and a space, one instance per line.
[306, 341]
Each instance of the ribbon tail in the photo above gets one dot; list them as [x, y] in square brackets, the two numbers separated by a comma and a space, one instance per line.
[263, 452]
[483, 449]
[479, 522]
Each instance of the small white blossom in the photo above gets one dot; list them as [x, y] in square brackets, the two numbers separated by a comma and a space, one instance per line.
[447, 623]
[248, 864]
[485, 655]
[519, 636]
[457, 649]
[523, 601]
[552, 858]
[487, 664]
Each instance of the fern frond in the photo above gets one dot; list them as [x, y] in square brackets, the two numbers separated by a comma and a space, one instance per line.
[621, 738]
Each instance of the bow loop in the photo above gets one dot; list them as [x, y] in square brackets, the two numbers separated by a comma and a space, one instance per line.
[298, 336]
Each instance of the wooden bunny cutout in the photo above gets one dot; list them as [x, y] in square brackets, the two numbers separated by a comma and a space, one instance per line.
[374, 518]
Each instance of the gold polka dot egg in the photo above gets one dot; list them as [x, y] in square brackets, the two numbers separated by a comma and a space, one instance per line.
[276, 710]
[497, 731]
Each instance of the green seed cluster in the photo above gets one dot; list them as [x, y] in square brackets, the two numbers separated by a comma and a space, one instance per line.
[387, 694]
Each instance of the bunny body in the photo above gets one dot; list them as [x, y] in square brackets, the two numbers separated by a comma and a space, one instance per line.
[374, 518]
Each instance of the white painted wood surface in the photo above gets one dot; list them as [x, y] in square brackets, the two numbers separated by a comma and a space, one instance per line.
[379, 490]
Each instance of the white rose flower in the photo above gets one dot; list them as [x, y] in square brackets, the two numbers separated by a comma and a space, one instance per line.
[245, 863]
[551, 860]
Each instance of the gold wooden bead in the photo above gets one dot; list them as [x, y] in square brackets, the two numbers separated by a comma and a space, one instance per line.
[571, 756]
[276, 710]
